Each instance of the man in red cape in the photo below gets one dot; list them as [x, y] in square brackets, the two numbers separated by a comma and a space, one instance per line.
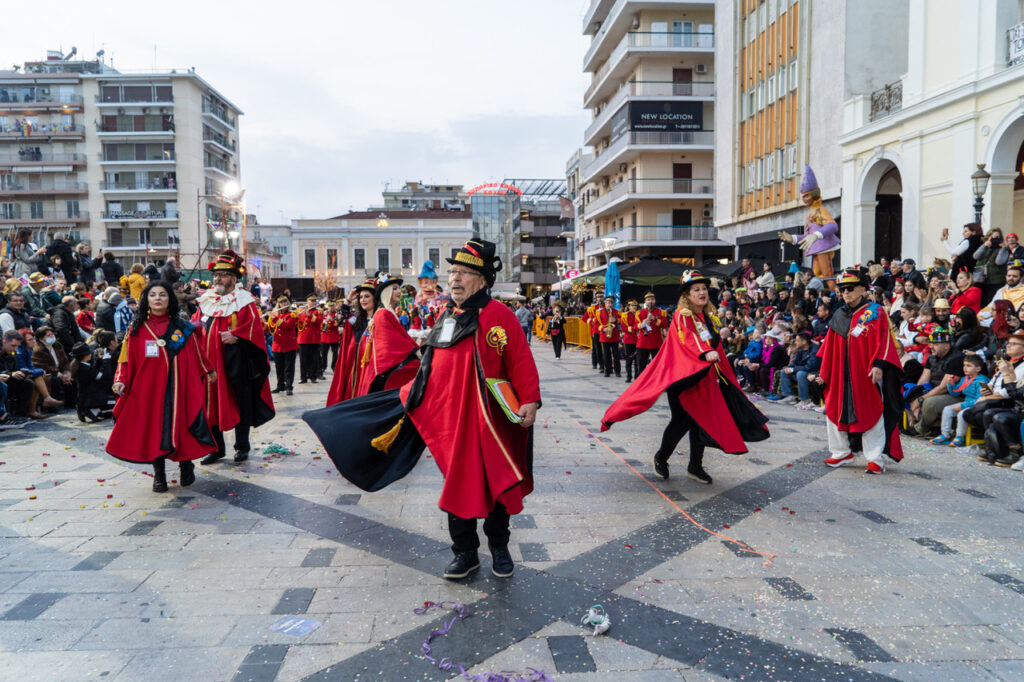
[862, 374]
[234, 343]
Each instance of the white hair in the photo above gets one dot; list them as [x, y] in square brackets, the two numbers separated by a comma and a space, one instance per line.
[385, 298]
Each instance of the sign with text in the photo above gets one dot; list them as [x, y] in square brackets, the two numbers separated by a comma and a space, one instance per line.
[666, 116]
[1016, 39]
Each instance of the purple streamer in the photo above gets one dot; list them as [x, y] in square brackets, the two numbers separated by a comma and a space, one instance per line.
[462, 613]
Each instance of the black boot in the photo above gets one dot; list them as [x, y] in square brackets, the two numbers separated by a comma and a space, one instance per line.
[696, 471]
[661, 465]
[462, 565]
[159, 476]
[188, 473]
[211, 458]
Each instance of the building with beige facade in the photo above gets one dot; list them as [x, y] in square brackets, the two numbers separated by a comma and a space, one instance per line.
[647, 188]
[133, 163]
[953, 99]
[350, 248]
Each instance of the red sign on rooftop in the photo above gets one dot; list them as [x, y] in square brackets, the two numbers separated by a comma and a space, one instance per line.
[495, 188]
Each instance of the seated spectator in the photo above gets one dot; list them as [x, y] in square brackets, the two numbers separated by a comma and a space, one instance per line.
[48, 355]
[773, 358]
[39, 377]
[968, 389]
[86, 315]
[749, 364]
[943, 366]
[95, 397]
[14, 316]
[968, 293]
[803, 363]
[22, 387]
[820, 325]
[1002, 445]
[970, 336]
[996, 397]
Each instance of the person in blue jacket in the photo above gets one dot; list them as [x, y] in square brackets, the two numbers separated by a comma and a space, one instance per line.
[969, 387]
[803, 362]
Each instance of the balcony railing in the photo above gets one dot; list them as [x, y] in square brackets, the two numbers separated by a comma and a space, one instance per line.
[12, 96]
[147, 185]
[649, 138]
[121, 99]
[219, 139]
[140, 215]
[693, 40]
[130, 127]
[652, 233]
[41, 187]
[221, 165]
[15, 212]
[156, 158]
[648, 89]
[41, 130]
[219, 112]
[887, 100]
[704, 186]
[33, 156]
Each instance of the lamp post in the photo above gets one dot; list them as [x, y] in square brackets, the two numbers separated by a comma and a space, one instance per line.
[607, 244]
[230, 196]
[979, 183]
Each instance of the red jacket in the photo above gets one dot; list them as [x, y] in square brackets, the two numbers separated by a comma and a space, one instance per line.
[604, 320]
[590, 317]
[309, 327]
[630, 327]
[659, 320]
[285, 332]
[329, 332]
[968, 298]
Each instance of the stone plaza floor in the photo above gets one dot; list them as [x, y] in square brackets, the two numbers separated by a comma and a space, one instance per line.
[280, 569]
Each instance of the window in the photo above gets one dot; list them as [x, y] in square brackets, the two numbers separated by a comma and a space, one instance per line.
[752, 107]
[383, 260]
[760, 172]
[173, 239]
[762, 18]
[771, 89]
[332, 259]
[760, 96]
[310, 259]
[771, 11]
[72, 208]
[406, 258]
[359, 259]
[455, 252]
[792, 75]
[145, 236]
[782, 82]
[792, 160]
[769, 171]
[116, 236]
[35, 209]
[750, 177]
[435, 257]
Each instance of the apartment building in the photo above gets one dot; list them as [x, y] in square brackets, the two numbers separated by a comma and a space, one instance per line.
[545, 218]
[415, 195]
[134, 163]
[648, 187]
[350, 248]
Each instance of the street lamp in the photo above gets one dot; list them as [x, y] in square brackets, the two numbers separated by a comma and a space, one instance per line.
[607, 244]
[979, 183]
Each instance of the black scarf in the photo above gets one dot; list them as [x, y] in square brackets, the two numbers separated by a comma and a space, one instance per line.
[840, 322]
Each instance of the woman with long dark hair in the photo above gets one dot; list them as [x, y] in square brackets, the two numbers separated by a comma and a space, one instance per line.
[160, 412]
[25, 258]
[345, 380]
[705, 399]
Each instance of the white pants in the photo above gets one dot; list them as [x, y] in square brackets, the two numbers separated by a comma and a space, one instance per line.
[948, 415]
[873, 441]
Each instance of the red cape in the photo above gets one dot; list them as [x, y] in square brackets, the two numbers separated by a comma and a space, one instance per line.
[346, 371]
[222, 402]
[706, 389]
[483, 456]
[140, 427]
[875, 346]
[389, 346]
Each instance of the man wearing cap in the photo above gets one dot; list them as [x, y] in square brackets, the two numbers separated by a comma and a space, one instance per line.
[862, 375]
[233, 341]
[285, 344]
[330, 335]
[912, 275]
[651, 320]
[941, 310]
[596, 352]
[309, 341]
[943, 366]
[1012, 291]
[608, 328]
[35, 306]
[821, 234]
[630, 329]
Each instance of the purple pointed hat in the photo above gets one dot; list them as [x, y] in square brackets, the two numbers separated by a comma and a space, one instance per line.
[809, 183]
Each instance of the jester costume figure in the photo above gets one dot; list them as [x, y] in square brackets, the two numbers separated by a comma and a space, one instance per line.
[820, 238]
[232, 338]
[863, 376]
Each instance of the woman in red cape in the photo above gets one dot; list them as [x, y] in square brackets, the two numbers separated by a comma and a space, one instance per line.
[389, 358]
[705, 399]
[344, 382]
[160, 411]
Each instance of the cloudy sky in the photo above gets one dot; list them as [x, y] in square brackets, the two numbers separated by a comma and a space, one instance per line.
[341, 97]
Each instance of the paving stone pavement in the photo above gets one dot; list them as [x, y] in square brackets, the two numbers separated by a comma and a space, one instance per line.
[279, 569]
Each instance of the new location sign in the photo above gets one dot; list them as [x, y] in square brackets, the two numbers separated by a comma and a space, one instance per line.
[666, 116]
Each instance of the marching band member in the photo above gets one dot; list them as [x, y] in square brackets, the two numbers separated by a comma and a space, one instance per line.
[608, 325]
[285, 344]
[309, 341]
[651, 321]
[630, 327]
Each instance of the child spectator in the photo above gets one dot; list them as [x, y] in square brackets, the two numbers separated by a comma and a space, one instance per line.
[969, 387]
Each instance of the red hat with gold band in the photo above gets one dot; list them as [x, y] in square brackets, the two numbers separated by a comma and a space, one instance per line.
[229, 262]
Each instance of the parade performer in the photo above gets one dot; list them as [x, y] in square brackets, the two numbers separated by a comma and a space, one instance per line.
[309, 341]
[330, 336]
[630, 328]
[702, 391]
[485, 457]
[160, 411]
[590, 319]
[608, 329]
[285, 344]
[389, 358]
[652, 321]
[428, 304]
[862, 374]
[232, 338]
[821, 235]
[345, 381]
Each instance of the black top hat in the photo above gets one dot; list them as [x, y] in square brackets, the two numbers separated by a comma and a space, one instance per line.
[479, 255]
[229, 262]
[691, 277]
[80, 350]
[385, 280]
[853, 277]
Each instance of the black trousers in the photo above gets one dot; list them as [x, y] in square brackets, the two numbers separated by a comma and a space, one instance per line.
[975, 415]
[611, 358]
[596, 356]
[309, 361]
[630, 353]
[496, 528]
[1002, 429]
[325, 349]
[680, 424]
[643, 356]
[241, 437]
[557, 341]
[284, 365]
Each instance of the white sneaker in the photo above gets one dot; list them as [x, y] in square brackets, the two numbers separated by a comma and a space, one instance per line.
[789, 400]
[1018, 465]
[820, 409]
[804, 405]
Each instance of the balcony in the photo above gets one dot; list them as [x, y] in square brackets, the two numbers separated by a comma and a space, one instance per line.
[218, 112]
[597, 11]
[635, 45]
[129, 128]
[221, 166]
[628, 145]
[649, 188]
[31, 156]
[887, 100]
[40, 188]
[139, 215]
[655, 235]
[220, 141]
[122, 100]
[44, 130]
[14, 214]
[147, 185]
[644, 89]
[16, 99]
[163, 157]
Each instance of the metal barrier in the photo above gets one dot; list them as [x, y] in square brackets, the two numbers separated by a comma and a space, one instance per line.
[577, 332]
[540, 328]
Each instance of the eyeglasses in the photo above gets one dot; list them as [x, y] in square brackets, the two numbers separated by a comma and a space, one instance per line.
[458, 274]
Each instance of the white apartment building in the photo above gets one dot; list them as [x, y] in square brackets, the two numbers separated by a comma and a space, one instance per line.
[131, 162]
[350, 248]
[648, 188]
